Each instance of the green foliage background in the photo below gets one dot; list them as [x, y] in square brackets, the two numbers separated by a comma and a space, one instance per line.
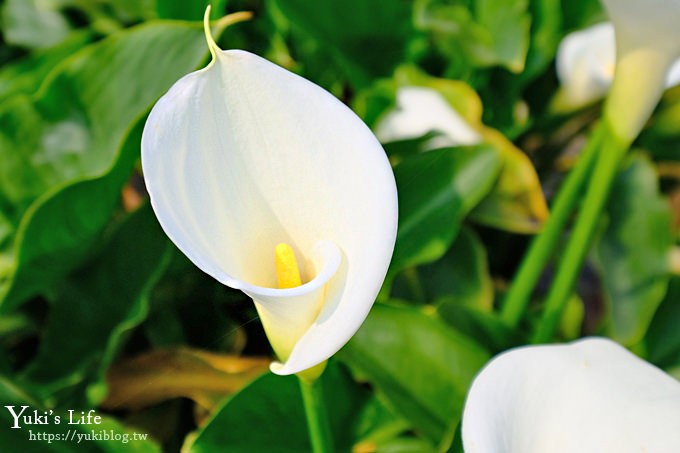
[99, 310]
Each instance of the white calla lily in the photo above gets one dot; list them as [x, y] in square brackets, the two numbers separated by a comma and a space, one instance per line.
[420, 110]
[585, 66]
[244, 155]
[647, 44]
[591, 396]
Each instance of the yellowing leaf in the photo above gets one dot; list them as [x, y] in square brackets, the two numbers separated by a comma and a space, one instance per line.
[517, 202]
[173, 373]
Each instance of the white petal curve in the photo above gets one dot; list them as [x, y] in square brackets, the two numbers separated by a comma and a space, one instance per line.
[585, 63]
[646, 23]
[286, 314]
[591, 396]
[420, 110]
[243, 155]
[673, 76]
[647, 44]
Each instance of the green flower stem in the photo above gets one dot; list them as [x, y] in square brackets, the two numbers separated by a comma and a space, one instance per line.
[541, 248]
[609, 158]
[315, 411]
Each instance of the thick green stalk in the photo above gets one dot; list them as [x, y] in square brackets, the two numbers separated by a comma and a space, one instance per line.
[544, 244]
[317, 421]
[639, 79]
[608, 161]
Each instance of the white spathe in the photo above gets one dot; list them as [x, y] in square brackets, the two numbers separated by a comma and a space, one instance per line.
[585, 65]
[647, 44]
[590, 396]
[646, 23]
[243, 155]
[420, 110]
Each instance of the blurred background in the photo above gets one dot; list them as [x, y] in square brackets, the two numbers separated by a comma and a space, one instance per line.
[98, 310]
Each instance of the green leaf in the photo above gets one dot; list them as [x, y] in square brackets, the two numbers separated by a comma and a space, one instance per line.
[268, 415]
[462, 274]
[508, 24]
[33, 23]
[368, 39]
[65, 154]
[188, 10]
[486, 33]
[485, 327]
[77, 123]
[6, 232]
[105, 299]
[26, 75]
[421, 366]
[546, 28]
[454, 32]
[579, 14]
[516, 203]
[436, 191]
[16, 325]
[133, 10]
[405, 445]
[10, 393]
[633, 251]
[663, 336]
[59, 230]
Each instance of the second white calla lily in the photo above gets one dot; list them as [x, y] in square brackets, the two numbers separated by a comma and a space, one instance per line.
[420, 110]
[647, 44]
[585, 66]
[591, 396]
[244, 155]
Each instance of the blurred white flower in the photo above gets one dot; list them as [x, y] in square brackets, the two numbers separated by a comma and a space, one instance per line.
[585, 66]
[652, 24]
[420, 110]
[647, 44]
[242, 156]
[591, 396]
